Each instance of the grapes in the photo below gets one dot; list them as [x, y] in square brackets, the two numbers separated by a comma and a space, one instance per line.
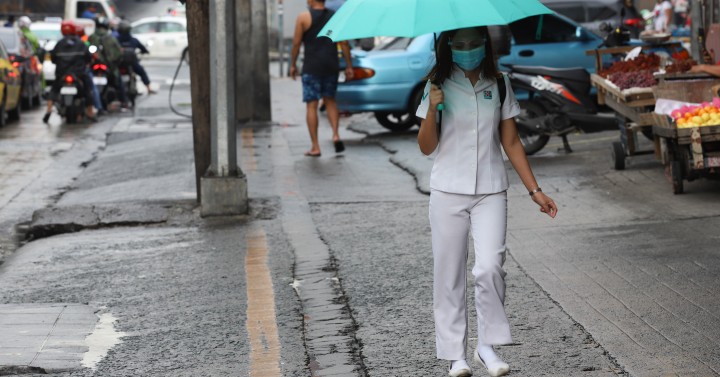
[637, 79]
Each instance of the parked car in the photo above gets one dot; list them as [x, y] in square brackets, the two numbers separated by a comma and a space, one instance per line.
[590, 14]
[389, 79]
[48, 34]
[10, 86]
[22, 57]
[164, 37]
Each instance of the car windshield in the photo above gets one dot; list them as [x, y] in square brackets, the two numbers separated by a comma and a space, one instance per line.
[398, 43]
[46, 34]
[9, 40]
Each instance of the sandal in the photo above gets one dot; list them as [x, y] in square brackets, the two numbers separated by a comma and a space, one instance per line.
[310, 154]
[339, 146]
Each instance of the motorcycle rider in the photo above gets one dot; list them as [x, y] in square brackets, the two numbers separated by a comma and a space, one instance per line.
[109, 53]
[70, 56]
[80, 32]
[127, 41]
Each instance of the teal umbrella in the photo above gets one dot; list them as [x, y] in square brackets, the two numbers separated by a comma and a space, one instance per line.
[408, 18]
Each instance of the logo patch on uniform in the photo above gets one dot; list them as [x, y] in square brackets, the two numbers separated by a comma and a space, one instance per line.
[487, 94]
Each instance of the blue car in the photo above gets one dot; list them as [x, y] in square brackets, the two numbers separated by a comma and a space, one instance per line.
[390, 78]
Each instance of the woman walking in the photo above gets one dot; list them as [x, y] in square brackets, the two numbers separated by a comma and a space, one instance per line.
[469, 192]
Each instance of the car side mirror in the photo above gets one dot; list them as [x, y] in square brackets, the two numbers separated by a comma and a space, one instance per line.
[582, 34]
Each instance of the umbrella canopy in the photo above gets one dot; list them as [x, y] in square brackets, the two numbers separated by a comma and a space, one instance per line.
[408, 18]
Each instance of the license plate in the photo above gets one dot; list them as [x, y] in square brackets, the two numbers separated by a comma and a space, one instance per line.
[125, 78]
[68, 90]
[341, 76]
[712, 162]
[100, 80]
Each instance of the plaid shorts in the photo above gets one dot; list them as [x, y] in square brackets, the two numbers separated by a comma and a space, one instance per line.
[316, 87]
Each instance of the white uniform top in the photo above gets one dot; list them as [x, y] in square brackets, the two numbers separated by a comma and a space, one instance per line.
[661, 18]
[469, 159]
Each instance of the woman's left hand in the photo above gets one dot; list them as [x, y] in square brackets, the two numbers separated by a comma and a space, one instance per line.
[546, 204]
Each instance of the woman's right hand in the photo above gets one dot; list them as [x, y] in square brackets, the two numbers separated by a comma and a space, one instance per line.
[436, 96]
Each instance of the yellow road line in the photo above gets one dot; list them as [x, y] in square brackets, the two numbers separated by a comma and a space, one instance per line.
[248, 162]
[261, 325]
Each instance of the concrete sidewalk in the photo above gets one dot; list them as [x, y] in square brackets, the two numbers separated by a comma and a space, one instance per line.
[329, 274]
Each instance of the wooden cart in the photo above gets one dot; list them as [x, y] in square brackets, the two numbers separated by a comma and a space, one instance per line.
[687, 153]
[634, 110]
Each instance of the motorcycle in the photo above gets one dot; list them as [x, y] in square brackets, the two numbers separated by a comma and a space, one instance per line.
[71, 104]
[103, 79]
[559, 102]
[103, 82]
[128, 78]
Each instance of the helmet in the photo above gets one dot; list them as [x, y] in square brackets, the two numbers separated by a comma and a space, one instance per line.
[102, 22]
[24, 21]
[67, 28]
[124, 28]
[79, 30]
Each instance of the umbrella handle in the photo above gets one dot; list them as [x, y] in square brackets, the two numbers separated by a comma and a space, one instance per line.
[441, 106]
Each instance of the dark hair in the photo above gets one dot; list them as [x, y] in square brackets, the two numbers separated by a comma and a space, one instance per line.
[443, 57]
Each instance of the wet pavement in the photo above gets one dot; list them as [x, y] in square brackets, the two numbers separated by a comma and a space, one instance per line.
[330, 273]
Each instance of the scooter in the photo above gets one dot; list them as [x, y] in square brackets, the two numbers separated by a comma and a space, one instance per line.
[103, 82]
[128, 78]
[71, 105]
[559, 102]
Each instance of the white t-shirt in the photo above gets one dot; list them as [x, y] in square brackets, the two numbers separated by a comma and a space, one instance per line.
[661, 19]
[468, 157]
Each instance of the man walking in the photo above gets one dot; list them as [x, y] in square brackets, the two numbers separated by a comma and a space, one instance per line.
[320, 71]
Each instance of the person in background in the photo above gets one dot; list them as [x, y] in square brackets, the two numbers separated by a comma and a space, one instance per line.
[10, 22]
[80, 32]
[24, 25]
[663, 16]
[114, 23]
[320, 71]
[127, 41]
[110, 53]
[680, 13]
[90, 12]
[71, 56]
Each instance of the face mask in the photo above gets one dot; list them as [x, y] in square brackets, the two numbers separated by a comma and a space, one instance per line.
[468, 59]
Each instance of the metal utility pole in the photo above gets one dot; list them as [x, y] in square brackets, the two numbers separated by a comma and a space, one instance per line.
[198, 19]
[224, 186]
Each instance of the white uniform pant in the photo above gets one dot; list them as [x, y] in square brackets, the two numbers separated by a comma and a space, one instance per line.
[451, 217]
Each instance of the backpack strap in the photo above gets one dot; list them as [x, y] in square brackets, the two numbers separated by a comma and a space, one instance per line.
[501, 88]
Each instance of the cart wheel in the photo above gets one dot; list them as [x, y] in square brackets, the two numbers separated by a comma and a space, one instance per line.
[677, 177]
[618, 155]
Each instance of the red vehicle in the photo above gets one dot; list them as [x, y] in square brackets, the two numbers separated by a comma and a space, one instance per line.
[21, 56]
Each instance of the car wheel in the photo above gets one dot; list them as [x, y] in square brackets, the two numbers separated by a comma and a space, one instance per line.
[532, 140]
[415, 100]
[395, 121]
[3, 120]
[14, 114]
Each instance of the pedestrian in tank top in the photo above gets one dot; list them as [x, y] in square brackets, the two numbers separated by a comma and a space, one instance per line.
[320, 71]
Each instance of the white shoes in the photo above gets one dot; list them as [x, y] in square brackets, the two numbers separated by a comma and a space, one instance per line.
[462, 370]
[495, 368]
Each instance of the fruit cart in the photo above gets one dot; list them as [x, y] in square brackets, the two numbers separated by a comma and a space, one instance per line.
[634, 111]
[633, 107]
[687, 153]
